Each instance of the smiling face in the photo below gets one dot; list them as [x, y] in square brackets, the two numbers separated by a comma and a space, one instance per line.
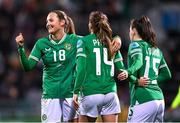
[54, 24]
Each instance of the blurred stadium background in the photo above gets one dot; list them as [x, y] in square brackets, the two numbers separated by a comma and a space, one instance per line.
[20, 92]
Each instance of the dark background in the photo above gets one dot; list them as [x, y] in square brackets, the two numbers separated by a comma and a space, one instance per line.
[20, 92]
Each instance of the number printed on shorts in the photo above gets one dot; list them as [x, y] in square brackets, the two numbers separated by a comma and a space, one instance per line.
[130, 114]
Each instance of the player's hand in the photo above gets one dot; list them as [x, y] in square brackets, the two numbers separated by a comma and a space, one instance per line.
[116, 43]
[123, 75]
[20, 39]
[75, 101]
[143, 81]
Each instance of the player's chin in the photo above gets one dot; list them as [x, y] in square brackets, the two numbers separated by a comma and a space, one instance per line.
[51, 31]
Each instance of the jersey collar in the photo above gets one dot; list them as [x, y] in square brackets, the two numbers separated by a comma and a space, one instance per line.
[60, 41]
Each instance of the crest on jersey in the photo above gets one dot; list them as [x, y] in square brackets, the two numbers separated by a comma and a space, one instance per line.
[67, 46]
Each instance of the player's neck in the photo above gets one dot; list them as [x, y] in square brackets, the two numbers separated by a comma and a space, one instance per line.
[58, 36]
[137, 38]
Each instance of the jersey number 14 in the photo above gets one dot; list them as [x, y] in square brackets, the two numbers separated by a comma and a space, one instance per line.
[105, 60]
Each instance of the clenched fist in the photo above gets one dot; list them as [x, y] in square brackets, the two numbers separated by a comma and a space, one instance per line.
[20, 39]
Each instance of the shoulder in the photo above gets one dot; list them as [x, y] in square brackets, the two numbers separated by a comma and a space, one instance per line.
[80, 42]
[74, 36]
[159, 52]
[83, 40]
[90, 36]
[41, 42]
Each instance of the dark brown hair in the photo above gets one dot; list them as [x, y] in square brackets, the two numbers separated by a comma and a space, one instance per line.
[101, 28]
[145, 30]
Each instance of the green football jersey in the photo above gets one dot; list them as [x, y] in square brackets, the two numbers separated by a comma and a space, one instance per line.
[58, 65]
[144, 60]
[99, 70]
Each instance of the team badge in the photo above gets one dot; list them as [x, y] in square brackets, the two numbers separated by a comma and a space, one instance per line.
[67, 46]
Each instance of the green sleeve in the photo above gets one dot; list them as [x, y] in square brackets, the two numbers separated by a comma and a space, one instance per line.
[27, 63]
[164, 72]
[137, 63]
[120, 65]
[176, 101]
[81, 68]
[118, 61]
[136, 58]
[133, 79]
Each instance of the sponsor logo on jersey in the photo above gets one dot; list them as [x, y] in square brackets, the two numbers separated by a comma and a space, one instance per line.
[47, 49]
[67, 46]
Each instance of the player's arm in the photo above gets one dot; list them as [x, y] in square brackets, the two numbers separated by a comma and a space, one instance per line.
[137, 61]
[118, 61]
[137, 58]
[81, 66]
[164, 72]
[116, 43]
[80, 76]
[136, 55]
[80, 70]
[119, 65]
[27, 63]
